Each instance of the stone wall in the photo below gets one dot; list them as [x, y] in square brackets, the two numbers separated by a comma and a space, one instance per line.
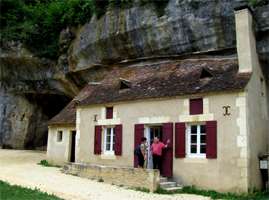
[126, 176]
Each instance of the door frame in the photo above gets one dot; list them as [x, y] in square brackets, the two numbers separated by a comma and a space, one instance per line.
[147, 135]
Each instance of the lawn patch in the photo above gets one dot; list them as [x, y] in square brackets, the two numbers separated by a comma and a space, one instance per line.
[256, 195]
[15, 192]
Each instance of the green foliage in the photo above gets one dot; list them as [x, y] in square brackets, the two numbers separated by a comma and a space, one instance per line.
[141, 189]
[216, 195]
[37, 23]
[255, 3]
[100, 7]
[45, 163]
[14, 192]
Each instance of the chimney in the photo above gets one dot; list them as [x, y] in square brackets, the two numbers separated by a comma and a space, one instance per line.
[245, 39]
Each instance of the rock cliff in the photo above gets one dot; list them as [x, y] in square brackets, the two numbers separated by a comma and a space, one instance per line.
[32, 89]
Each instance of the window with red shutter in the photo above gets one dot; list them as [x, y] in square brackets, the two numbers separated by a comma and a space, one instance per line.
[109, 112]
[180, 132]
[196, 106]
[97, 140]
[196, 140]
[211, 139]
[118, 140]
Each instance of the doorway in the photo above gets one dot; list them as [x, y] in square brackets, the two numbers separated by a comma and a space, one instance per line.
[73, 146]
[151, 132]
[164, 132]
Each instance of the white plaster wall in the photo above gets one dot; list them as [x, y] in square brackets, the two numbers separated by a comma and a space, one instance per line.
[222, 174]
[257, 124]
[58, 153]
[256, 139]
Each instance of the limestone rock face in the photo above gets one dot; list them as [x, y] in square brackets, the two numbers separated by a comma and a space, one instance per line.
[187, 26]
[32, 90]
[23, 124]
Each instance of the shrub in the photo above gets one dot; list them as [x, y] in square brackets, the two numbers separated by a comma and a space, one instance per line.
[44, 163]
[100, 180]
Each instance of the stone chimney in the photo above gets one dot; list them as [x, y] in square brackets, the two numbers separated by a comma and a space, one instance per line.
[245, 40]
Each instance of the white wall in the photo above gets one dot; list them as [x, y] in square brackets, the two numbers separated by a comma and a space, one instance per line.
[58, 153]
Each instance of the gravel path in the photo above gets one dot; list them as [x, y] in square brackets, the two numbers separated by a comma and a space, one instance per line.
[19, 167]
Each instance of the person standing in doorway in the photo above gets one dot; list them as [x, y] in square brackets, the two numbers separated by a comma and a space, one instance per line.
[141, 152]
[157, 149]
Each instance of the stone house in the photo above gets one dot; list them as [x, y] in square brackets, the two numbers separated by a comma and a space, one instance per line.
[213, 108]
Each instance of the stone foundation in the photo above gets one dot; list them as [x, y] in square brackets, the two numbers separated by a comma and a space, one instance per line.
[122, 176]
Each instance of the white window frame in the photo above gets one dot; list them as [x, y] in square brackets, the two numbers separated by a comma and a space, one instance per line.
[110, 151]
[188, 141]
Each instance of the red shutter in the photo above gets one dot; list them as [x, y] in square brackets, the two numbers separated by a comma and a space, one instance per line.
[196, 106]
[180, 133]
[97, 139]
[211, 139]
[109, 112]
[118, 140]
[138, 134]
[167, 158]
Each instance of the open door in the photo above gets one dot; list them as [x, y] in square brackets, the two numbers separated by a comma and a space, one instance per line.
[73, 146]
[167, 162]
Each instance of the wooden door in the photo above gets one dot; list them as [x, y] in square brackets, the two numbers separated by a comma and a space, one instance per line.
[138, 134]
[167, 158]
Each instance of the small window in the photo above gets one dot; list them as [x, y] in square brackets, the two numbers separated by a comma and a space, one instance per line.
[109, 140]
[205, 74]
[59, 136]
[196, 106]
[124, 84]
[109, 112]
[196, 140]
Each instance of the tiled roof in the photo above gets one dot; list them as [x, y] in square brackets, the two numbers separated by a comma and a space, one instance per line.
[165, 78]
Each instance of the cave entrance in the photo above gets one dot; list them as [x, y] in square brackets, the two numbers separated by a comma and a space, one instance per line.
[46, 106]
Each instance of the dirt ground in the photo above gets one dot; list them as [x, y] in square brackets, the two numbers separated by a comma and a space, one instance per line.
[20, 168]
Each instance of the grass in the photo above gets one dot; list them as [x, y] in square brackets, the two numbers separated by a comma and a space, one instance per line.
[141, 189]
[217, 195]
[45, 163]
[14, 192]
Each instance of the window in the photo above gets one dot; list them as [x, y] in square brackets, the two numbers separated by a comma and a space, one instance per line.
[205, 74]
[196, 140]
[196, 106]
[59, 136]
[124, 84]
[109, 112]
[109, 140]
